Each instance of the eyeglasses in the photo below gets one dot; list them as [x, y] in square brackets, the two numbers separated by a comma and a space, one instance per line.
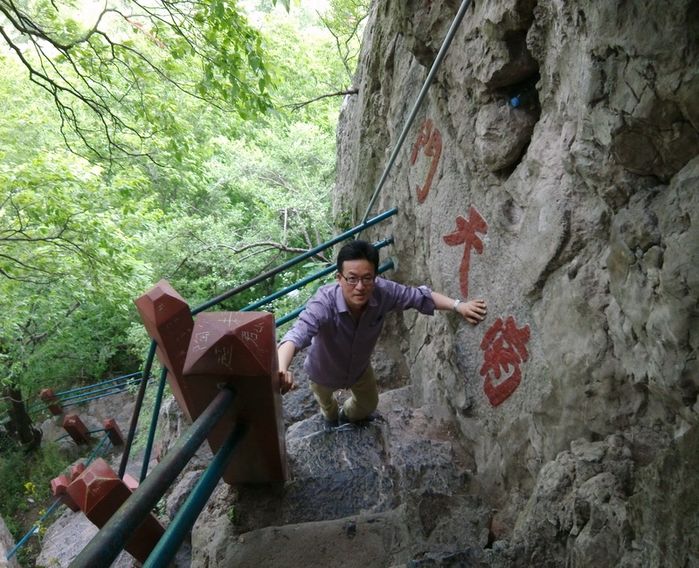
[354, 280]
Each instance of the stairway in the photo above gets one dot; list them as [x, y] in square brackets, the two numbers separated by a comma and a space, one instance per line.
[393, 492]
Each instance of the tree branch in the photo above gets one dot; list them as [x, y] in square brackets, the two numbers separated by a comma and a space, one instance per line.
[298, 106]
[104, 72]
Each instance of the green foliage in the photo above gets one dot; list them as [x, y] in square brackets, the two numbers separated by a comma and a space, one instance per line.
[68, 261]
[219, 198]
[345, 20]
[104, 65]
[214, 172]
[69, 249]
[262, 189]
[25, 483]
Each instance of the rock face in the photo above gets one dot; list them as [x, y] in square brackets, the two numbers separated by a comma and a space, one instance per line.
[553, 170]
[7, 543]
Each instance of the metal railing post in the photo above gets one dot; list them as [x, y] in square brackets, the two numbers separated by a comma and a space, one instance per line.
[137, 409]
[153, 424]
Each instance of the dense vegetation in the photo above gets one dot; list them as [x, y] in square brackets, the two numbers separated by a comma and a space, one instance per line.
[145, 148]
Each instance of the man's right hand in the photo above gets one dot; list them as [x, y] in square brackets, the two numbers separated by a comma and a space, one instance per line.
[286, 381]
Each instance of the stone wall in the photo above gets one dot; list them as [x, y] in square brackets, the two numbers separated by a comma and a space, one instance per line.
[574, 211]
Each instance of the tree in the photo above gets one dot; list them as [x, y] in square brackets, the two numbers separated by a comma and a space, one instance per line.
[68, 255]
[218, 199]
[345, 22]
[262, 187]
[103, 67]
[68, 276]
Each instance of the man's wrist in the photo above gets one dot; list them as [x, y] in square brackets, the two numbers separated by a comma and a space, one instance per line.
[455, 307]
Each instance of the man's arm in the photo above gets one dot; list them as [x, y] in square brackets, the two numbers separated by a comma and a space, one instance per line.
[473, 311]
[285, 354]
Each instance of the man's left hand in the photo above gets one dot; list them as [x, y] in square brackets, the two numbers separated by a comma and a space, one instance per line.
[473, 311]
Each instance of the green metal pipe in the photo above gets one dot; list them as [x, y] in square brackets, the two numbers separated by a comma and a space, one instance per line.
[90, 398]
[88, 387]
[153, 424]
[34, 529]
[170, 542]
[101, 447]
[301, 283]
[137, 409]
[109, 541]
[113, 389]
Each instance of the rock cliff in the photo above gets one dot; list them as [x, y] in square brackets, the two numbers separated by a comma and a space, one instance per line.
[552, 170]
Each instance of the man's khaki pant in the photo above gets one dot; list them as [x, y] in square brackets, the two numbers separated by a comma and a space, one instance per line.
[364, 399]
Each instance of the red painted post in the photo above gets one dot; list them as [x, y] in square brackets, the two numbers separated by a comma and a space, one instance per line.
[239, 348]
[59, 486]
[76, 470]
[113, 431]
[168, 320]
[131, 482]
[77, 430]
[99, 493]
[52, 402]
[223, 347]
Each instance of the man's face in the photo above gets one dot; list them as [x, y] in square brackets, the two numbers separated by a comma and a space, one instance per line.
[357, 282]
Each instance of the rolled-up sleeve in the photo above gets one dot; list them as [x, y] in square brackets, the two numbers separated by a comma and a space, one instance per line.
[403, 297]
[307, 325]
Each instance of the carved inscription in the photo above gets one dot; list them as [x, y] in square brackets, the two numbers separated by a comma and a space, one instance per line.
[465, 234]
[504, 348]
[429, 141]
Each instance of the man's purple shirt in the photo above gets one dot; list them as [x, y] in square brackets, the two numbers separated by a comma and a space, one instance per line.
[340, 347]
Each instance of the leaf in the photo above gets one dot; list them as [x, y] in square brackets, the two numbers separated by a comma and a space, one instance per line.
[285, 3]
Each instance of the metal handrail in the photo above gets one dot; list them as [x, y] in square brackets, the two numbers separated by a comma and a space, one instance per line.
[88, 387]
[418, 101]
[137, 409]
[35, 528]
[301, 283]
[110, 539]
[296, 260]
[153, 424]
[106, 545]
[112, 389]
[183, 522]
[100, 448]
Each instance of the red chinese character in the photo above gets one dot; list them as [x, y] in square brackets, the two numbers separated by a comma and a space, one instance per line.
[504, 350]
[465, 233]
[431, 140]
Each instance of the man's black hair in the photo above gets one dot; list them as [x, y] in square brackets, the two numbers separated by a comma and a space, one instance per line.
[358, 250]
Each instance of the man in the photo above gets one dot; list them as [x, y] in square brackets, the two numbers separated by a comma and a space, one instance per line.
[342, 323]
